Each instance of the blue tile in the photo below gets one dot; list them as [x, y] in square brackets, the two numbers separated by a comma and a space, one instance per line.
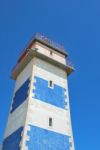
[54, 96]
[12, 142]
[42, 139]
[20, 95]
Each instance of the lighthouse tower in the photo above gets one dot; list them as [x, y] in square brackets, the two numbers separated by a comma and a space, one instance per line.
[39, 117]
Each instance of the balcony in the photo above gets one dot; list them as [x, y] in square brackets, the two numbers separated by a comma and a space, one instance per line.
[46, 41]
[30, 53]
[50, 43]
[69, 63]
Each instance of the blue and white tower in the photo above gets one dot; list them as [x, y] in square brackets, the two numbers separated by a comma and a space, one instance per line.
[39, 117]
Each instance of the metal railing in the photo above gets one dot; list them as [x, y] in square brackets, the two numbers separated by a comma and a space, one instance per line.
[69, 63]
[49, 41]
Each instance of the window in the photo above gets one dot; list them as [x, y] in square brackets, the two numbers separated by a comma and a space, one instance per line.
[50, 122]
[50, 84]
[65, 103]
[70, 144]
[51, 52]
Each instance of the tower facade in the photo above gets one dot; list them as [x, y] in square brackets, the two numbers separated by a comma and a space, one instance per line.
[39, 117]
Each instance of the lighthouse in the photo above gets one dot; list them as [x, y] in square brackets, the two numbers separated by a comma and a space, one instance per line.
[39, 117]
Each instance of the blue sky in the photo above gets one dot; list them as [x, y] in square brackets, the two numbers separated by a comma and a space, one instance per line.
[76, 25]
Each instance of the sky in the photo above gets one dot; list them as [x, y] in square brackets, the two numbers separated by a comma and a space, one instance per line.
[76, 25]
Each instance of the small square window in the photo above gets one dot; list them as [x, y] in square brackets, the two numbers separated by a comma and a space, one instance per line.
[50, 122]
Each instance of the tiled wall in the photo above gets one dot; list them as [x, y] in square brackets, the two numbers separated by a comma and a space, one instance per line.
[42, 139]
[54, 96]
[12, 142]
[20, 95]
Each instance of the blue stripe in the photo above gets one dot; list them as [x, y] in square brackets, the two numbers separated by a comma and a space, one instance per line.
[20, 95]
[12, 142]
[42, 139]
[54, 96]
